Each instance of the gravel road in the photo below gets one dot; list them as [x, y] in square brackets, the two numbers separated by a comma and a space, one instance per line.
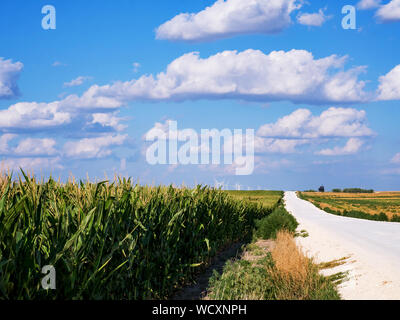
[373, 247]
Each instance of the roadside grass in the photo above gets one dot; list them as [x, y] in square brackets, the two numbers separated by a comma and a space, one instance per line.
[274, 269]
[333, 263]
[279, 219]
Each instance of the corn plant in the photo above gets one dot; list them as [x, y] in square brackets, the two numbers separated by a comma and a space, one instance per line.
[114, 240]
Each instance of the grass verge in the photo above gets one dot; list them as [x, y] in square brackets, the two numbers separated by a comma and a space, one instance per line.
[274, 269]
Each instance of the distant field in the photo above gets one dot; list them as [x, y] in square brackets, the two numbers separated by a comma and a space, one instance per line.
[266, 198]
[374, 206]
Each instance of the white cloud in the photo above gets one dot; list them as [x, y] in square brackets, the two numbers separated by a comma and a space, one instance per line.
[291, 131]
[389, 12]
[333, 122]
[159, 130]
[9, 74]
[31, 163]
[352, 146]
[368, 4]
[247, 75]
[389, 87]
[58, 64]
[229, 18]
[73, 110]
[301, 127]
[88, 101]
[88, 148]
[33, 115]
[4, 139]
[267, 145]
[396, 159]
[36, 147]
[76, 82]
[108, 120]
[312, 19]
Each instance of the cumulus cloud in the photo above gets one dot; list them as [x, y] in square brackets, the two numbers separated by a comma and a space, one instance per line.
[77, 81]
[301, 127]
[226, 18]
[108, 120]
[160, 131]
[312, 19]
[333, 122]
[35, 115]
[284, 146]
[26, 115]
[9, 74]
[368, 4]
[88, 101]
[36, 147]
[389, 12]
[88, 148]
[249, 75]
[290, 132]
[4, 139]
[352, 146]
[389, 85]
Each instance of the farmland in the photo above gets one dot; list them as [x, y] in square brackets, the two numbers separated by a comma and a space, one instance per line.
[384, 206]
[120, 240]
[268, 199]
[115, 240]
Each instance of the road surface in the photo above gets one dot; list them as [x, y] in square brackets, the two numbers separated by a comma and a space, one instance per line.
[373, 247]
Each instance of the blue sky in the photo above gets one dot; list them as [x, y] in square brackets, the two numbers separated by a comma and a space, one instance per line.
[79, 99]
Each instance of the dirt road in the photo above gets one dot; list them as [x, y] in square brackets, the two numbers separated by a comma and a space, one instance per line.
[373, 247]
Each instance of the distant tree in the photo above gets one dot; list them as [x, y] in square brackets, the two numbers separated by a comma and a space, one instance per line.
[336, 190]
[321, 189]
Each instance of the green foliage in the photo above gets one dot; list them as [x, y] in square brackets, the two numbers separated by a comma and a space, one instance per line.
[395, 218]
[357, 190]
[279, 219]
[337, 190]
[266, 198]
[240, 280]
[112, 241]
[243, 280]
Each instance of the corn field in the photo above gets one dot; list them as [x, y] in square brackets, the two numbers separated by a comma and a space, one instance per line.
[114, 240]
